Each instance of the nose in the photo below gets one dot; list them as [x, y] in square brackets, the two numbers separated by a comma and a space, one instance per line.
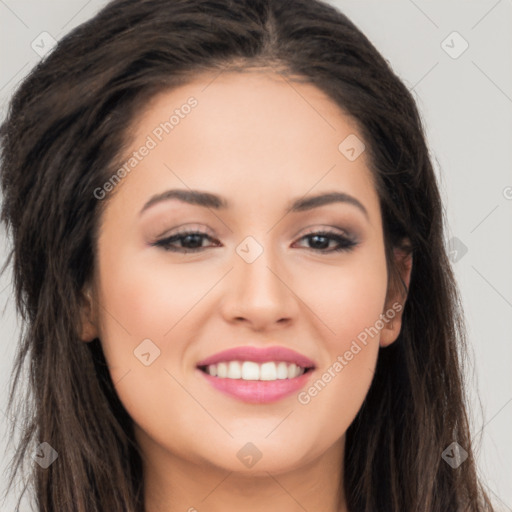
[259, 294]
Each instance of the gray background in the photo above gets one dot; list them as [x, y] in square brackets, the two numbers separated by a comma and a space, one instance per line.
[466, 104]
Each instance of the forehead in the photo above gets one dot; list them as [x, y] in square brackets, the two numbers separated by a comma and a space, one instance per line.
[239, 133]
[256, 100]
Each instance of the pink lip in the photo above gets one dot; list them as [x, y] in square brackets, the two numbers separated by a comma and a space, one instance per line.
[259, 355]
[258, 391]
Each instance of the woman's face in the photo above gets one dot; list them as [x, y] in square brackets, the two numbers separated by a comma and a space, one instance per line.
[254, 144]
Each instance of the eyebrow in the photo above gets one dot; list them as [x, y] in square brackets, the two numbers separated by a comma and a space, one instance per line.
[209, 200]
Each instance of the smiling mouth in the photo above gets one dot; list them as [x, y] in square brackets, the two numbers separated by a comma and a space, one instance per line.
[253, 371]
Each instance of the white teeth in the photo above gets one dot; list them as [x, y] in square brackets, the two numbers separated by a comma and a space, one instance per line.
[222, 370]
[234, 370]
[249, 370]
[268, 371]
[293, 371]
[282, 371]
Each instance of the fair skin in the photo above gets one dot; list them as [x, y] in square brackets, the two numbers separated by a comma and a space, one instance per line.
[260, 143]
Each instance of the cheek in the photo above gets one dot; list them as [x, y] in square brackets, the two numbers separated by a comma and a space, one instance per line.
[349, 297]
[138, 307]
[144, 298]
[349, 301]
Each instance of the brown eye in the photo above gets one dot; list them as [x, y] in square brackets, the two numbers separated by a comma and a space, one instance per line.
[191, 241]
[320, 241]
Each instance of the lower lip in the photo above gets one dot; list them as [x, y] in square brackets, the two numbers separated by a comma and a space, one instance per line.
[258, 391]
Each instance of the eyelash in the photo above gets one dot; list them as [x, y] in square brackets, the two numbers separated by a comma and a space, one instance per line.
[346, 244]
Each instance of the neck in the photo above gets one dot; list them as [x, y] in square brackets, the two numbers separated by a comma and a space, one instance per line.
[176, 484]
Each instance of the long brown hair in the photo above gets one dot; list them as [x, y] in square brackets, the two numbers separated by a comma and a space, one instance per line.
[65, 130]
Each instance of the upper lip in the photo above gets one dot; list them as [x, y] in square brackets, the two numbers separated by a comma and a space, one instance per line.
[258, 355]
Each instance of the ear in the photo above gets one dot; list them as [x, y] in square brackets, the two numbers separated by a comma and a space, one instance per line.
[396, 298]
[88, 316]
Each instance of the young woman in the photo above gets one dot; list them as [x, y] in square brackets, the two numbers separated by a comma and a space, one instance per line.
[228, 254]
